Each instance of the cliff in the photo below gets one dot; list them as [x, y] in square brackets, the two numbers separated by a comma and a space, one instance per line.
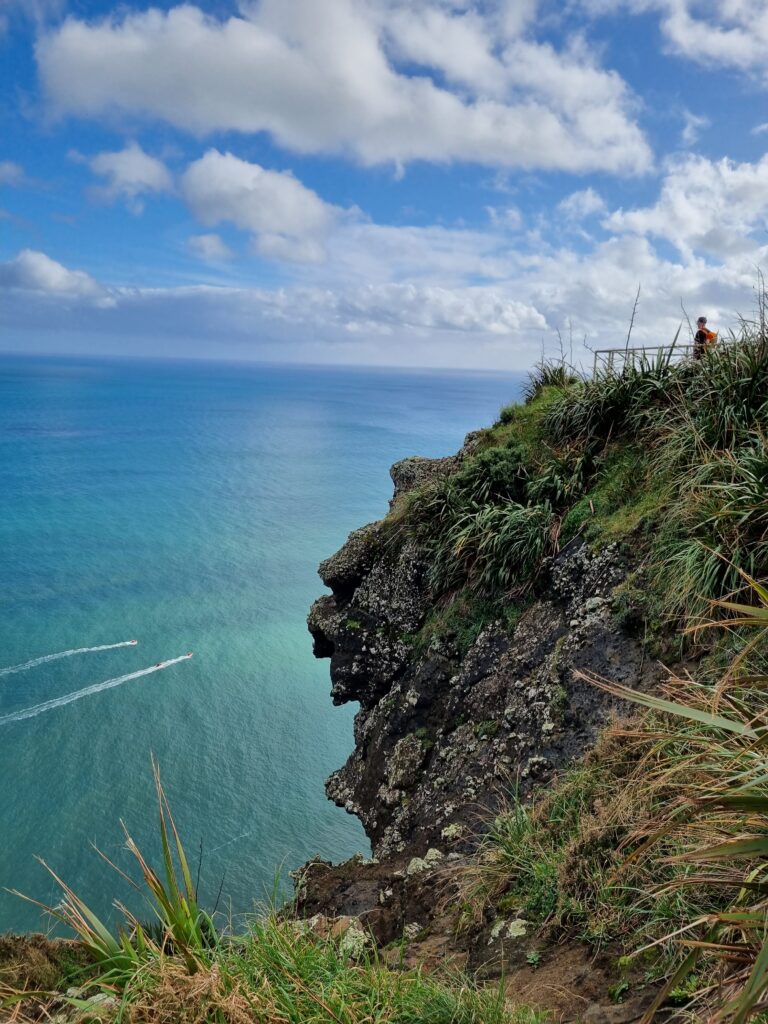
[443, 734]
[567, 545]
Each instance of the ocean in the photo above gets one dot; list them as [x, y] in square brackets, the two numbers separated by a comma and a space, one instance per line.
[186, 506]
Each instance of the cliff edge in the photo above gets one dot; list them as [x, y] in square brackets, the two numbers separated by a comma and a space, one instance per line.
[443, 734]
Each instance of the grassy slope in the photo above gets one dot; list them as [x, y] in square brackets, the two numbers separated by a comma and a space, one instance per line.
[670, 459]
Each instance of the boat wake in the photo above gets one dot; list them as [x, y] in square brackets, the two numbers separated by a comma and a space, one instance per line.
[63, 654]
[70, 698]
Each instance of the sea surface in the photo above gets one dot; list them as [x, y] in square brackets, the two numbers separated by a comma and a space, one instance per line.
[186, 506]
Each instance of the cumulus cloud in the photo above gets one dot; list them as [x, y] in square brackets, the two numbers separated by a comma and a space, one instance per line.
[582, 204]
[733, 33]
[130, 175]
[431, 295]
[339, 78]
[211, 248]
[705, 206]
[34, 271]
[418, 322]
[288, 221]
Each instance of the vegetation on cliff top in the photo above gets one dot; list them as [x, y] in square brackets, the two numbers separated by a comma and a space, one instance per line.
[671, 456]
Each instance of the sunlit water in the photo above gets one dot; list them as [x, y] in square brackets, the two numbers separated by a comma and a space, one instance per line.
[186, 506]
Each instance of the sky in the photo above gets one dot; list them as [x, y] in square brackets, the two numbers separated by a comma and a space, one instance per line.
[439, 183]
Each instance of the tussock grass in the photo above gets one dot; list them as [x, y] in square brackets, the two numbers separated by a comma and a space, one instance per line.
[280, 971]
[713, 768]
[670, 455]
[183, 970]
[561, 860]
[659, 839]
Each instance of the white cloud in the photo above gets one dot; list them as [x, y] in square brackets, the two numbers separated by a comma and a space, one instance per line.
[507, 218]
[582, 204]
[338, 78]
[731, 32]
[704, 206]
[360, 252]
[414, 295]
[760, 129]
[33, 271]
[130, 174]
[287, 220]
[211, 248]
[11, 173]
[393, 307]
[440, 319]
[693, 124]
[713, 33]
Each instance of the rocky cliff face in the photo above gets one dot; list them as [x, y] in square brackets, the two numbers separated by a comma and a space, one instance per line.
[441, 735]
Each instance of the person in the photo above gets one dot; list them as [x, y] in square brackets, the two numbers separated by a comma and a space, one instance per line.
[703, 338]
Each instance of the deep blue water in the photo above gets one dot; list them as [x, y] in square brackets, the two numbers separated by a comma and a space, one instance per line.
[187, 506]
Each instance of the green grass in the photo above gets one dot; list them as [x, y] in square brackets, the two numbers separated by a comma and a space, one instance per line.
[459, 620]
[184, 969]
[281, 971]
[658, 841]
[667, 458]
[712, 773]
[561, 860]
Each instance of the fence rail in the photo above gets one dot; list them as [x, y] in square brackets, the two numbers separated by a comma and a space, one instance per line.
[608, 358]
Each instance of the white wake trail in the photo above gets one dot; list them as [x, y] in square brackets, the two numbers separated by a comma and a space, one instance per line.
[63, 654]
[69, 698]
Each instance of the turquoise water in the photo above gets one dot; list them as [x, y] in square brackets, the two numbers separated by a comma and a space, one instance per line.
[186, 506]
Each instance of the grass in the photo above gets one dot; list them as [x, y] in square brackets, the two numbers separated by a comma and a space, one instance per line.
[281, 971]
[572, 862]
[658, 841]
[552, 860]
[668, 458]
[713, 765]
[183, 970]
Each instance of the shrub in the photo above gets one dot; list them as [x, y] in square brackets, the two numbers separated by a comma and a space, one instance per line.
[562, 477]
[492, 475]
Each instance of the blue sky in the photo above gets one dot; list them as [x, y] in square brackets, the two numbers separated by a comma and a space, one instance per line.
[405, 182]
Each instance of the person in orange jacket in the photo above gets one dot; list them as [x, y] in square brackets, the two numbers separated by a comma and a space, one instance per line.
[703, 338]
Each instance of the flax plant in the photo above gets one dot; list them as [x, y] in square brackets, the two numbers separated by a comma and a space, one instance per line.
[179, 922]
